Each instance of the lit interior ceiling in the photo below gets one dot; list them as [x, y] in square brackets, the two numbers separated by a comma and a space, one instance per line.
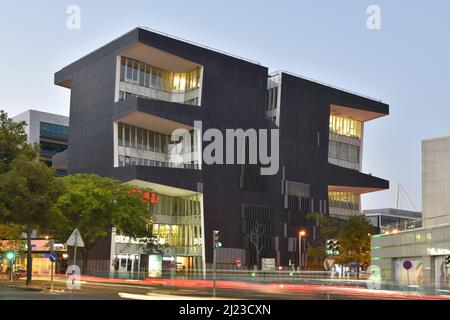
[158, 58]
[153, 123]
[357, 114]
[357, 190]
[162, 189]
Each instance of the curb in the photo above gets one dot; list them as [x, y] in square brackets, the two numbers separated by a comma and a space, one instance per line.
[35, 289]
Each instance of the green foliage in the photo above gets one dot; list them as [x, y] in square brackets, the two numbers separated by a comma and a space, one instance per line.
[326, 228]
[27, 193]
[354, 238]
[13, 142]
[94, 205]
[10, 235]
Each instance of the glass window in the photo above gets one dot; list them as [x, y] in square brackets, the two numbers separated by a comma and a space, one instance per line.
[343, 151]
[147, 75]
[133, 136]
[157, 142]
[135, 70]
[52, 130]
[121, 161]
[142, 74]
[127, 161]
[145, 140]
[51, 148]
[123, 65]
[139, 138]
[120, 129]
[129, 69]
[345, 126]
[151, 141]
[164, 140]
[333, 150]
[127, 140]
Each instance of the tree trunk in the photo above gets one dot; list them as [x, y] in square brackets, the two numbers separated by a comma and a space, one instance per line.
[29, 258]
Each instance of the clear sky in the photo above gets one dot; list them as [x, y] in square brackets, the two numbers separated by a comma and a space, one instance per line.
[406, 63]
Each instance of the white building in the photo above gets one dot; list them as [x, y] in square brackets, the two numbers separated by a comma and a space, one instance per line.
[50, 130]
[425, 243]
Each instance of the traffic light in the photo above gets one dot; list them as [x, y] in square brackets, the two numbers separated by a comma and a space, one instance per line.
[447, 261]
[332, 247]
[10, 255]
[336, 246]
[329, 248]
[216, 239]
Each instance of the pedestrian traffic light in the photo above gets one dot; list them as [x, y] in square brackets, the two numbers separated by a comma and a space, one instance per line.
[216, 239]
[447, 261]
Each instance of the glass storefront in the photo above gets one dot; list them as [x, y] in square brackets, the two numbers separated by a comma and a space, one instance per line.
[177, 229]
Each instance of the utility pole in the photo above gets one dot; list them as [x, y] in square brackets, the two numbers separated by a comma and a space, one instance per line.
[216, 244]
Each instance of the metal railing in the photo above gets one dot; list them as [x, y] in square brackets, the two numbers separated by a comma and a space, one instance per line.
[415, 224]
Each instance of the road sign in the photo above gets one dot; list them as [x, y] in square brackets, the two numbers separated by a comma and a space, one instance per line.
[75, 239]
[268, 264]
[328, 264]
[238, 262]
[407, 264]
[52, 256]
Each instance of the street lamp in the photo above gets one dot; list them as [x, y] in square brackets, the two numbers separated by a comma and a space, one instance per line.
[301, 234]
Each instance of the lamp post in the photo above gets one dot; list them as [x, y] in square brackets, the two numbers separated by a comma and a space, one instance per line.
[301, 234]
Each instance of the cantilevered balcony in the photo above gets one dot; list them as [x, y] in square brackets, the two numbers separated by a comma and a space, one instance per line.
[147, 72]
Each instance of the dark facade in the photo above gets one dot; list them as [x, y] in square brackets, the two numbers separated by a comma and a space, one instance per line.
[233, 95]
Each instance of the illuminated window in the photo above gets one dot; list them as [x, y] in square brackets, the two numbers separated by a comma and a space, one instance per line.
[346, 200]
[345, 126]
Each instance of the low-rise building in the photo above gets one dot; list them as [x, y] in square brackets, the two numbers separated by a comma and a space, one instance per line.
[425, 243]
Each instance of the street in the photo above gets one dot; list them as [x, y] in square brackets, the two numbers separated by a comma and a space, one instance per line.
[118, 291]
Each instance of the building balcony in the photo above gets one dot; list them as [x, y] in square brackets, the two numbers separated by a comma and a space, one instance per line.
[151, 73]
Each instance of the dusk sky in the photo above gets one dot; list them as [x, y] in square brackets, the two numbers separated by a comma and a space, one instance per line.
[405, 64]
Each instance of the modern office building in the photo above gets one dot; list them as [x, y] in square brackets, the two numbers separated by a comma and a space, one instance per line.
[391, 216]
[127, 98]
[50, 130]
[424, 242]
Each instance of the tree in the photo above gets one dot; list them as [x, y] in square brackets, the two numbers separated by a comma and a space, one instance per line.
[28, 192]
[354, 239]
[14, 142]
[256, 239]
[95, 205]
[326, 228]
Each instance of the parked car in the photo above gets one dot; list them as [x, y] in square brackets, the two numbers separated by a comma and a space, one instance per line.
[19, 274]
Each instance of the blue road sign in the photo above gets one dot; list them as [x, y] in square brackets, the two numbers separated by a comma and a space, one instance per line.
[52, 256]
[407, 264]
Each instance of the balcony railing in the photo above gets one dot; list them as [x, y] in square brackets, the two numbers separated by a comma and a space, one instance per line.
[415, 224]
